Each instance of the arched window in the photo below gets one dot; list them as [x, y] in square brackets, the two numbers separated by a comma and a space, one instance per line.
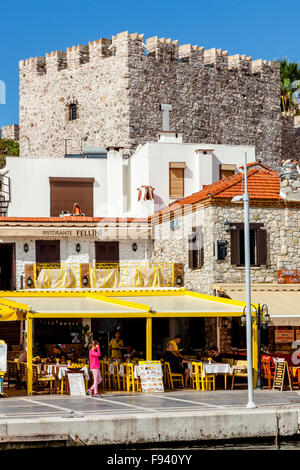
[73, 112]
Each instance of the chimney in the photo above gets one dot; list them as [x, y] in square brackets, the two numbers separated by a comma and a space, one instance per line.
[290, 180]
[146, 200]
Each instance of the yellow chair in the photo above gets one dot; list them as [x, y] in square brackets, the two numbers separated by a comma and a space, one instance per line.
[198, 381]
[81, 361]
[106, 374]
[40, 382]
[116, 376]
[239, 370]
[172, 377]
[206, 382]
[132, 383]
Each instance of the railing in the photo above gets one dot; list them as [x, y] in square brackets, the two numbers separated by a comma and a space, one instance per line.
[112, 275]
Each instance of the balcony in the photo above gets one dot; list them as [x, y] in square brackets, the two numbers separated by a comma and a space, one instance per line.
[102, 276]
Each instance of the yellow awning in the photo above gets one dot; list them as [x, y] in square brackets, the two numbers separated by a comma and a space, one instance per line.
[10, 314]
[282, 300]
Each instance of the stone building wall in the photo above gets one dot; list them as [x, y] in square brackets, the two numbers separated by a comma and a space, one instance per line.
[283, 244]
[10, 132]
[119, 85]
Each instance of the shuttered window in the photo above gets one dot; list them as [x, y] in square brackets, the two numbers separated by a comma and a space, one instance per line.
[107, 252]
[65, 192]
[196, 248]
[176, 179]
[258, 245]
[227, 170]
[47, 251]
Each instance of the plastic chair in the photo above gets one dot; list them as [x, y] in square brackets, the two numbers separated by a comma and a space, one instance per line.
[131, 382]
[208, 379]
[41, 382]
[197, 379]
[116, 377]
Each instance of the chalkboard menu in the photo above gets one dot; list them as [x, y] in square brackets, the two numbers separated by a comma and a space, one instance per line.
[3, 356]
[281, 370]
[151, 376]
[76, 384]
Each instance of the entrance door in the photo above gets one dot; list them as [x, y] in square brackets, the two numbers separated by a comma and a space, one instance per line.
[47, 251]
[107, 252]
[7, 266]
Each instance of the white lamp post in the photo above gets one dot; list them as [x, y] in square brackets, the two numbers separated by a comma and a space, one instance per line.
[245, 198]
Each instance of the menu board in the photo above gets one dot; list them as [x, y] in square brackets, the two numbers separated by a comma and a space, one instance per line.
[76, 384]
[3, 356]
[281, 370]
[284, 336]
[151, 376]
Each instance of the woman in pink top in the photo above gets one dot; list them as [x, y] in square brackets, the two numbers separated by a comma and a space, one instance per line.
[95, 368]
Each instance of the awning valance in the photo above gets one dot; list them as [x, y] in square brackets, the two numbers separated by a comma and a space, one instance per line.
[282, 300]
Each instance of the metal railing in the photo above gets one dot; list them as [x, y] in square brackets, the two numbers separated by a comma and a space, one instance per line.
[103, 275]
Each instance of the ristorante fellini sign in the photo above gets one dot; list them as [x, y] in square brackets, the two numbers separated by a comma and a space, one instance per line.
[102, 233]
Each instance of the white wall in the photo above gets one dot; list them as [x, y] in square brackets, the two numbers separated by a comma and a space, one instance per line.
[30, 187]
[150, 166]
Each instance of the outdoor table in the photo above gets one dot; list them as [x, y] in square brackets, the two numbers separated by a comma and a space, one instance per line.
[50, 369]
[213, 368]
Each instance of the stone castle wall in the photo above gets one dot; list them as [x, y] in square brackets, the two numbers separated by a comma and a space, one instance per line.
[10, 132]
[119, 84]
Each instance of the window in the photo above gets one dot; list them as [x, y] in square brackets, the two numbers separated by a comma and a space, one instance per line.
[258, 245]
[47, 251]
[226, 170]
[107, 252]
[65, 192]
[73, 112]
[196, 248]
[176, 179]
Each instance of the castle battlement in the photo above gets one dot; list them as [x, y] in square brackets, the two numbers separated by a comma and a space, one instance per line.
[132, 45]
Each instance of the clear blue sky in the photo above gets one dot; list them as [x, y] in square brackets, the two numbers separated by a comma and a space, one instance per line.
[264, 29]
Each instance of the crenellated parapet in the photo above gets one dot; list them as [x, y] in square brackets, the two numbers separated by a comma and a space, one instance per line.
[162, 49]
[125, 45]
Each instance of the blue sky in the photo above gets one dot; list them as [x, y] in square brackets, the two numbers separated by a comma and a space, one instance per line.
[265, 29]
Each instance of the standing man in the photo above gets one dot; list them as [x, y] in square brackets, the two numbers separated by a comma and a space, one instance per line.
[116, 346]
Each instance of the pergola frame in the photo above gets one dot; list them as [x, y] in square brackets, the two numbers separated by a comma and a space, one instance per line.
[138, 310]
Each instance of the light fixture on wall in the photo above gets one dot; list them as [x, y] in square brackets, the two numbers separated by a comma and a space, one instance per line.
[85, 281]
[78, 247]
[225, 323]
[179, 280]
[227, 226]
[26, 247]
[29, 282]
[134, 246]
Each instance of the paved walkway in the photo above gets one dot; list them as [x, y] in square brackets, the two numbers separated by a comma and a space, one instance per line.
[137, 403]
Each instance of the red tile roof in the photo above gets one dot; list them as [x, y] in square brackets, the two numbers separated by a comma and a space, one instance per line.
[263, 184]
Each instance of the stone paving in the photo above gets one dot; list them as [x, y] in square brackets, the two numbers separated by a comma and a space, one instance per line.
[128, 404]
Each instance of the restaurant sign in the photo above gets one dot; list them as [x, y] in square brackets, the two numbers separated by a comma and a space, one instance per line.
[288, 276]
[103, 233]
[284, 336]
[151, 376]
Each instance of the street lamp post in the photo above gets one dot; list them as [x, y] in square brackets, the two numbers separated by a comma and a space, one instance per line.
[245, 199]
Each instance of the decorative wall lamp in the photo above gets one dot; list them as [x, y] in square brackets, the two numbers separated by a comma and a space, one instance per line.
[85, 281]
[78, 247]
[29, 282]
[225, 323]
[134, 246]
[179, 280]
[26, 247]
[227, 226]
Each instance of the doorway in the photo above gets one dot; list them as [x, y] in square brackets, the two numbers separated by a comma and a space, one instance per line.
[7, 266]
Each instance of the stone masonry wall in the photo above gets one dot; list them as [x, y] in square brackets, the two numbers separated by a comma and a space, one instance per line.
[283, 242]
[118, 86]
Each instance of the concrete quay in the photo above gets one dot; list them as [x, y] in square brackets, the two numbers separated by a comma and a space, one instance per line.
[122, 418]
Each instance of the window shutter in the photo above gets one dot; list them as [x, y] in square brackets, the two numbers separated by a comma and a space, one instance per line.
[191, 249]
[200, 249]
[261, 244]
[235, 246]
[176, 182]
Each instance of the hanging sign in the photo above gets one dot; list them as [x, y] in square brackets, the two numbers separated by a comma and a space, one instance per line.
[281, 369]
[76, 384]
[284, 336]
[151, 376]
[3, 356]
[288, 276]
